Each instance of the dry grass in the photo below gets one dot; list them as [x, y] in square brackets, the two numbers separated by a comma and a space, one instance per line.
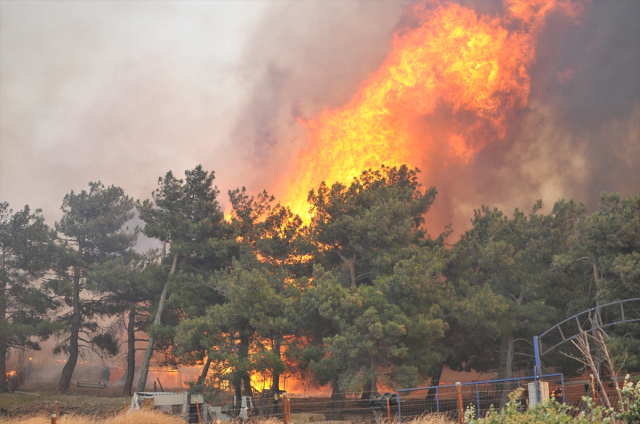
[432, 419]
[155, 417]
[137, 417]
[302, 418]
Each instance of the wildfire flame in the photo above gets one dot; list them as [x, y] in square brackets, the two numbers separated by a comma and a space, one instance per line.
[451, 57]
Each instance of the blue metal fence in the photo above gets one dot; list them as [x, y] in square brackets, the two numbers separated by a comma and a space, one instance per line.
[481, 395]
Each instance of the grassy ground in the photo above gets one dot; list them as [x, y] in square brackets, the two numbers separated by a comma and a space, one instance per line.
[153, 417]
[81, 407]
[139, 417]
[14, 405]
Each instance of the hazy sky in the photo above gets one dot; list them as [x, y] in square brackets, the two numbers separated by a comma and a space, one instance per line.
[122, 92]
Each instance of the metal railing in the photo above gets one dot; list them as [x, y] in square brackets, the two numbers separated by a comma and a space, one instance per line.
[481, 395]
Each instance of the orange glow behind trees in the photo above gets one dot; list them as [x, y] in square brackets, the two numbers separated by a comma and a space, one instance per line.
[449, 56]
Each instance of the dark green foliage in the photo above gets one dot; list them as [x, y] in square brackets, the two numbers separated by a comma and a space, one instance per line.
[371, 224]
[27, 250]
[93, 226]
[359, 296]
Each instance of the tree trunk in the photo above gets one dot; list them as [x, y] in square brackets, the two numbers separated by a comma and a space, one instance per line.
[506, 366]
[243, 354]
[351, 264]
[3, 367]
[435, 381]
[3, 317]
[237, 385]
[275, 385]
[205, 371]
[76, 319]
[370, 391]
[131, 353]
[336, 405]
[144, 372]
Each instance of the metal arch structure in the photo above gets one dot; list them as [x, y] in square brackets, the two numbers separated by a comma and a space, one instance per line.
[537, 345]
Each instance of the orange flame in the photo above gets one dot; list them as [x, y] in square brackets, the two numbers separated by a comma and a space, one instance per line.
[452, 57]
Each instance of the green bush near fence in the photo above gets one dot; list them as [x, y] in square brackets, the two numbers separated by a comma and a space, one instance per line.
[553, 412]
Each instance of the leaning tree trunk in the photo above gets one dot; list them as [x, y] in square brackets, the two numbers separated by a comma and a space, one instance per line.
[76, 319]
[144, 372]
[131, 353]
[205, 371]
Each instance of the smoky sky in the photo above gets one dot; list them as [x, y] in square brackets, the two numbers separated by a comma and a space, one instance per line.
[123, 92]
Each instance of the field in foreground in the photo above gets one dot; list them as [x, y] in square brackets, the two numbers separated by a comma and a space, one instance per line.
[154, 417]
[138, 417]
[14, 405]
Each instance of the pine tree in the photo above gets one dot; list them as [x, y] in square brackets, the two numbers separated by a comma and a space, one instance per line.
[93, 225]
[27, 249]
[185, 215]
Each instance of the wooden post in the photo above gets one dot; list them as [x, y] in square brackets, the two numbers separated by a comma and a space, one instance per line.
[54, 419]
[460, 408]
[57, 409]
[285, 417]
[593, 390]
[124, 405]
[198, 411]
[388, 410]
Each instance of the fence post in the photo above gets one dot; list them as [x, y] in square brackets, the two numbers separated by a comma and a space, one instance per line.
[198, 412]
[54, 419]
[437, 402]
[399, 408]
[562, 386]
[593, 390]
[284, 407]
[388, 411]
[535, 384]
[57, 409]
[124, 406]
[460, 408]
[519, 396]
[478, 400]
[536, 348]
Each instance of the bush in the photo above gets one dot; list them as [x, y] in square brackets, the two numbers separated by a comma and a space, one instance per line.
[630, 402]
[551, 412]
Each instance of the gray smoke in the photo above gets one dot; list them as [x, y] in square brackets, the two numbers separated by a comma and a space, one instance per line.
[123, 92]
[578, 136]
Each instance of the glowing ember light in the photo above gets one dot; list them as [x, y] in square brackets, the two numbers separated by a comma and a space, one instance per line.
[451, 57]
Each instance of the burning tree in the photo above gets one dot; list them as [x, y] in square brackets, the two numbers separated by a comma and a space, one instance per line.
[371, 231]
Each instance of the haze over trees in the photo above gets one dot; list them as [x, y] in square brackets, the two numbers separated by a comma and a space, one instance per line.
[361, 297]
